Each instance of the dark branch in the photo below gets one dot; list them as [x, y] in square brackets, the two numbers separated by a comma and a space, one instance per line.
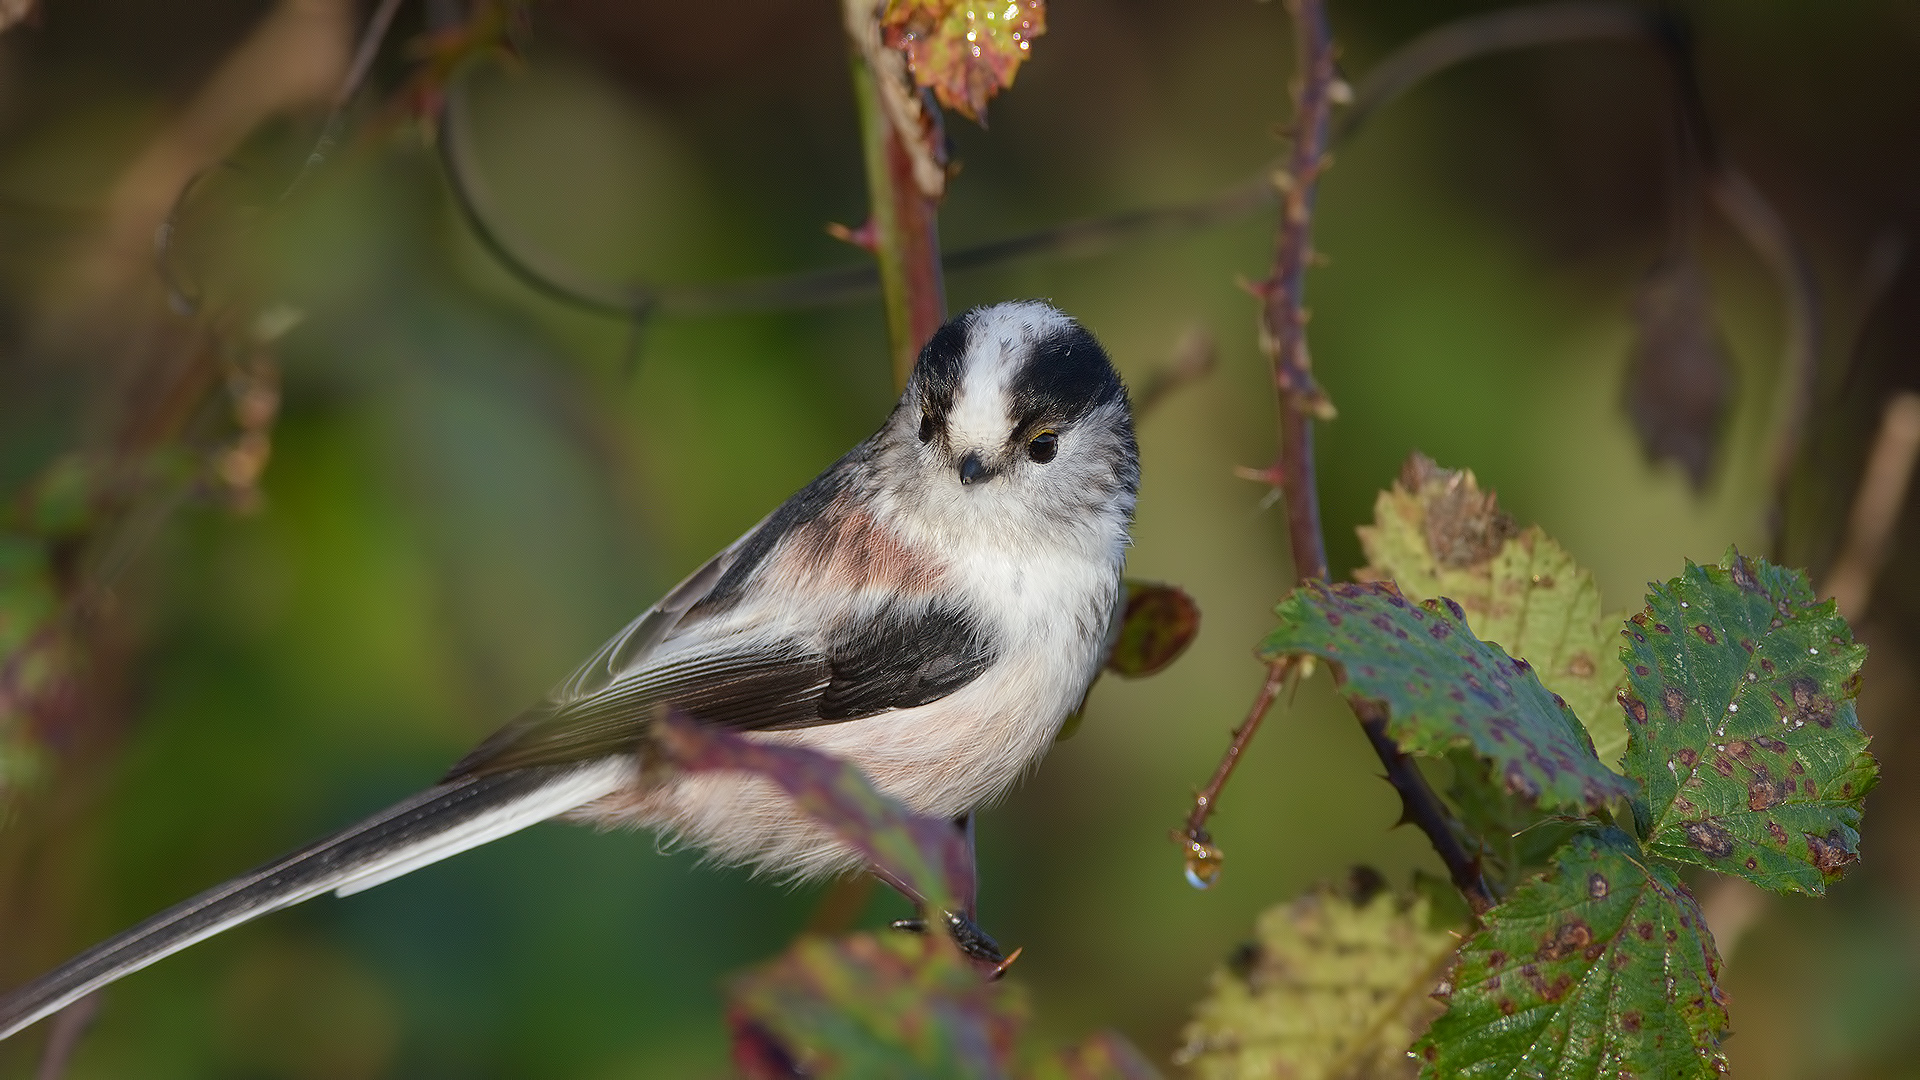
[1422, 808]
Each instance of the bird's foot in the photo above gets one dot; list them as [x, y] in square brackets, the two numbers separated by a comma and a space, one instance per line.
[965, 932]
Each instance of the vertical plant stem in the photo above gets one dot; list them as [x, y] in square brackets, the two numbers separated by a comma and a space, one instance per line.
[1283, 316]
[1300, 401]
[904, 224]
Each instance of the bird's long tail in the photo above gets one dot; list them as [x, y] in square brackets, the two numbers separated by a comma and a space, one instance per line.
[439, 822]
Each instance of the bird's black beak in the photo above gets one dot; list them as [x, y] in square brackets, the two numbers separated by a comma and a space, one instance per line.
[971, 470]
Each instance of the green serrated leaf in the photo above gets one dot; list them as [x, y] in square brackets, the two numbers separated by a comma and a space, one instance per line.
[1437, 534]
[893, 1004]
[1445, 688]
[1603, 967]
[1331, 990]
[1740, 694]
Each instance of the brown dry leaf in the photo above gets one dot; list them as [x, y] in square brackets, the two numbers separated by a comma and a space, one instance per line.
[1680, 380]
[965, 52]
[1157, 625]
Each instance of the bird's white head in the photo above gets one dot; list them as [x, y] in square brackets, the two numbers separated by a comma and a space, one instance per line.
[1014, 430]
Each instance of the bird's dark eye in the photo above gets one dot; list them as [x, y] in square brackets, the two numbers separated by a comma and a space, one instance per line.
[1043, 446]
[926, 427]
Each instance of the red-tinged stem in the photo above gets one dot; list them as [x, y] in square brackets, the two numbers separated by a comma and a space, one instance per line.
[1284, 318]
[1203, 803]
[1299, 401]
[906, 233]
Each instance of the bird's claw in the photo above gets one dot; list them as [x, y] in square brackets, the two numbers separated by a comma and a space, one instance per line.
[966, 934]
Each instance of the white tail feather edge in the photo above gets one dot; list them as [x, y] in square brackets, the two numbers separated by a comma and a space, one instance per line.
[555, 799]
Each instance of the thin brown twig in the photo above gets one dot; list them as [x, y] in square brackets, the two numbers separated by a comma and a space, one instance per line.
[1203, 858]
[1876, 506]
[1298, 398]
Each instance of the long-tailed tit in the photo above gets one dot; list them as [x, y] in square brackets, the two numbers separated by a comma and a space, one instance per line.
[930, 608]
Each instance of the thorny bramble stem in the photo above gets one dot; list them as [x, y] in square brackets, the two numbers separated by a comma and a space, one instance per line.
[1203, 858]
[1284, 317]
[1300, 400]
[1421, 807]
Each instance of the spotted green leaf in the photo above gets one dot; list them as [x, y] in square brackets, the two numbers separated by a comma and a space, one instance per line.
[1331, 990]
[1603, 967]
[1437, 534]
[1743, 733]
[1445, 688]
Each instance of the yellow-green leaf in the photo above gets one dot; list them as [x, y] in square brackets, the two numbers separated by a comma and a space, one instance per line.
[1437, 534]
[1331, 990]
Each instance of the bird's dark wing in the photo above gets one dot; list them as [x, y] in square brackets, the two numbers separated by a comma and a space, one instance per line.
[897, 658]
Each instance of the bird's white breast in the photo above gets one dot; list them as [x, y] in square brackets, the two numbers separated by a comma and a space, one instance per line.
[1048, 609]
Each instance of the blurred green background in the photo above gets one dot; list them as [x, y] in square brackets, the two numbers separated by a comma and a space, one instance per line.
[470, 485]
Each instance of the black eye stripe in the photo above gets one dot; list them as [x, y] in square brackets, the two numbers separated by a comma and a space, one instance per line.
[926, 427]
